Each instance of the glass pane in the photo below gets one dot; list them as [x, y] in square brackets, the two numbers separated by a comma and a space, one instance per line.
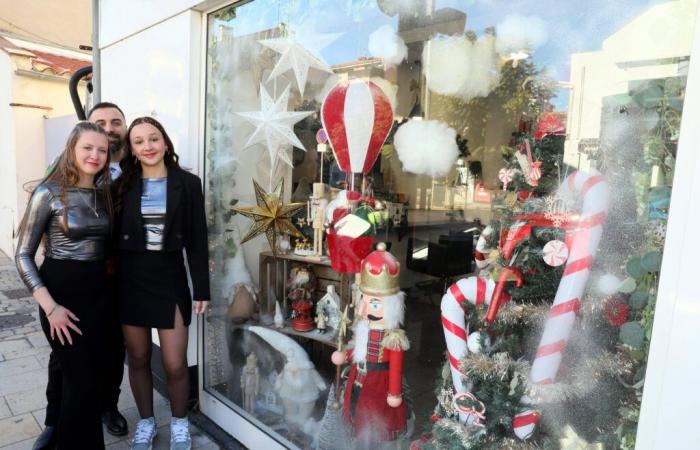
[517, 160]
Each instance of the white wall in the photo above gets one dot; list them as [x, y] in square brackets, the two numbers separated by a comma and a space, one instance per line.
[670, 395]
[157, 72]
[643, 49]
[8, 189]
[122, 18]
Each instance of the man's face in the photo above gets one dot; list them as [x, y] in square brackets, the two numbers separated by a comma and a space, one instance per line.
[112, 121]
[372, 310]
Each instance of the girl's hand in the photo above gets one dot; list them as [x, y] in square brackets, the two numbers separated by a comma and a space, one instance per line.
[61, 321]
[200, 306]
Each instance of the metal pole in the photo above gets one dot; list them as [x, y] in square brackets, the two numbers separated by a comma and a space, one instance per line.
[96, 65]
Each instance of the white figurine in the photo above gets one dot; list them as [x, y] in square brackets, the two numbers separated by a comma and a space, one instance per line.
[320, 321]
[279, 318]
[299, 386]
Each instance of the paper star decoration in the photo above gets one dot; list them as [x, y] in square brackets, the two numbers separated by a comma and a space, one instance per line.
[271, 215]
[274, 125]
[299, 58]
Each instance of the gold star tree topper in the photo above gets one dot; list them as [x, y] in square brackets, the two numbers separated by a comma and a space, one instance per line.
[271, 215]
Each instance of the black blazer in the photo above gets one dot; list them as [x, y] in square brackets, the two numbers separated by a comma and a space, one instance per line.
[185, 224]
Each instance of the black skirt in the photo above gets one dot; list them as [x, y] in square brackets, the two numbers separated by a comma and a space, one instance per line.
[151, 285]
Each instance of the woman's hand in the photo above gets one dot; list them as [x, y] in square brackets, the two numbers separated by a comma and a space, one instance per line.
[200, 306]
[61, 321]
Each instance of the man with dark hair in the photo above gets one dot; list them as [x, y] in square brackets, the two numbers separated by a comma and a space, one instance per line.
[111, 118]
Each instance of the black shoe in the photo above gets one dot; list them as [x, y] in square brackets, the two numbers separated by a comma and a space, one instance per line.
[46, 440]
[115, 423]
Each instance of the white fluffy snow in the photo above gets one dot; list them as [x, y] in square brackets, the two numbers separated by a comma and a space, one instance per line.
[517, 33]
[426, 147]
[386, 44]
[456, 66]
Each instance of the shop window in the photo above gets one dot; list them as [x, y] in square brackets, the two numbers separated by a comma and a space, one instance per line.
[517, 161]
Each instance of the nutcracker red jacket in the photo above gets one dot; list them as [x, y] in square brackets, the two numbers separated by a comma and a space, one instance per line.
[395, 372]
[185, 224]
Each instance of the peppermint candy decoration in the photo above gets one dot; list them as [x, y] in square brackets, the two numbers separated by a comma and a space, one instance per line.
[506, 176]
[555, 253]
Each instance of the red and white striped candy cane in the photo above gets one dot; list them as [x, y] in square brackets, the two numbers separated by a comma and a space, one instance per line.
[484, 246]
[477, 291]
[583, 245]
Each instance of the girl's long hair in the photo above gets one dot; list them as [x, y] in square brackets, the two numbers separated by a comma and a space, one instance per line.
[131, 166]
[66, 174]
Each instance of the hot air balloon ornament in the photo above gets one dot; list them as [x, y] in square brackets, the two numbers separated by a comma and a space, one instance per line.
[357, 117]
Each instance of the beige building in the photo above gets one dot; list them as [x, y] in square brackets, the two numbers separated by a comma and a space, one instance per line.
[35, 108]
[632, 53]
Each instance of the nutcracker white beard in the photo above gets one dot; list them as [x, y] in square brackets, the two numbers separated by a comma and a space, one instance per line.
[360, 337]
[394, 310]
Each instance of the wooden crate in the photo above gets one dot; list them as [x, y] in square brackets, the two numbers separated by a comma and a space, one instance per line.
[274, 273]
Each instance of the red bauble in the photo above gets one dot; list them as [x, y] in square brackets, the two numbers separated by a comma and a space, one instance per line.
[616, 311]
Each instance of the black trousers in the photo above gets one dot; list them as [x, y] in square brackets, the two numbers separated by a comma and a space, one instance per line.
[111, 369]
[79, 286]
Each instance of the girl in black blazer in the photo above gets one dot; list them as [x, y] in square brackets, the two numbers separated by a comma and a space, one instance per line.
[160, 212]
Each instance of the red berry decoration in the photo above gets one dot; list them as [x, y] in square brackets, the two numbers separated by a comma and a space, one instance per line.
[616, 311]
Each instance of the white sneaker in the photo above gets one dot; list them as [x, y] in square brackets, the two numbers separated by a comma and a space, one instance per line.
[180, 434]
[145, 432]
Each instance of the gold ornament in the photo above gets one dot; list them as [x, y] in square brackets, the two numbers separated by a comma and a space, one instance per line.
[271, 216]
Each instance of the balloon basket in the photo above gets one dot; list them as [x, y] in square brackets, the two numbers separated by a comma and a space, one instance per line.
[347, 252]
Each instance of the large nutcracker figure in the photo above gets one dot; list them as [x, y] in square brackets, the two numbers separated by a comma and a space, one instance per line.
[373, 404]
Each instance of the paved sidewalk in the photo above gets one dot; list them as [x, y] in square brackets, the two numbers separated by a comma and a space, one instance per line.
[24, 356]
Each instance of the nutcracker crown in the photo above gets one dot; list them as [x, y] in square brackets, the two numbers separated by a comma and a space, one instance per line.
[380, 273]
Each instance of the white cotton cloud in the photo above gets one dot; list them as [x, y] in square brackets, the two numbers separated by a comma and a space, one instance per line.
[517, 32]
[458, 67]
[386, 44]
[426, 147]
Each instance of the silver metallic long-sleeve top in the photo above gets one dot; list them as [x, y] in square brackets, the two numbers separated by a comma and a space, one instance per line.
[88, 228]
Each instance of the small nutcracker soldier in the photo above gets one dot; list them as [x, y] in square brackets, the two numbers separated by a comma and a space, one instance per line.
[373, 406]
[316, 215]
[250, 382]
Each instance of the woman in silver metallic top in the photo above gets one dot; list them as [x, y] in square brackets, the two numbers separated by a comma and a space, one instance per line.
[74, 216]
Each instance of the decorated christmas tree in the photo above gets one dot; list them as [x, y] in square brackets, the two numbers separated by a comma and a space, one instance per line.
[547, 347]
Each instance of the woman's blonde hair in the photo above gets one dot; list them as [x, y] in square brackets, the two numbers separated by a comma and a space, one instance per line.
[65, 170]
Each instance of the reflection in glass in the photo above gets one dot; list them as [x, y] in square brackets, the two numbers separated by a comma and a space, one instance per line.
[496, 104]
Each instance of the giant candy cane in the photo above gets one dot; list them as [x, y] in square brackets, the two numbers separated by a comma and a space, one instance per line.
[477, 291]
[583, 244]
